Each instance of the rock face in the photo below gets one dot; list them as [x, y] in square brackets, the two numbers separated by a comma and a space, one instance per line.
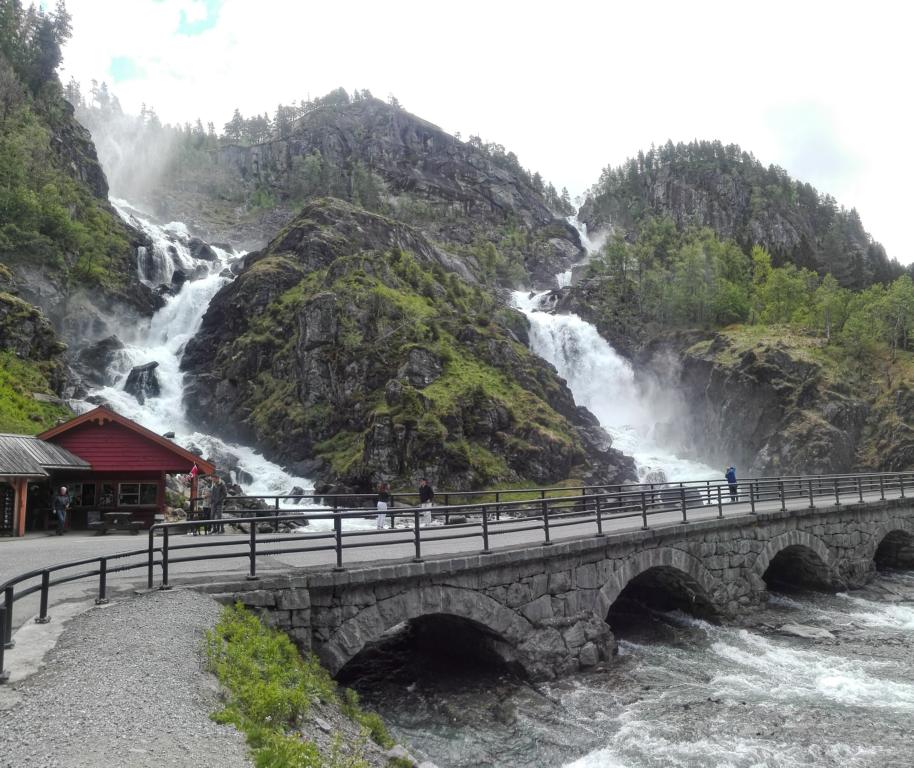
[763, 410]
[354, 340]
[142, 382]
[92, 363]
[387, 160]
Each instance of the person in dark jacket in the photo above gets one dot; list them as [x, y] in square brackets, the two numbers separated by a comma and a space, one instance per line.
[383, 502]
[426, 497]
[731, 481]
[60, 506]
[216, 500]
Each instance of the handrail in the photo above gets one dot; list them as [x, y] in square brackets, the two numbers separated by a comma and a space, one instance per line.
[485, 520]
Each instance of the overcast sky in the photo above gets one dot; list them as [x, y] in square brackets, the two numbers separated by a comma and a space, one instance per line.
[822, 89]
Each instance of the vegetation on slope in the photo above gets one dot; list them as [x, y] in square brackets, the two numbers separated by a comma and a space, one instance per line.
[349, 340]
[707, 184]
[270, 690]
[54, 214]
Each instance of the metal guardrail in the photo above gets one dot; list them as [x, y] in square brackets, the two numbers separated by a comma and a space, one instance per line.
[486, 520]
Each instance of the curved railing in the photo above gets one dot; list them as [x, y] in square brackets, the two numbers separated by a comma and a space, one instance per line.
[493, 519]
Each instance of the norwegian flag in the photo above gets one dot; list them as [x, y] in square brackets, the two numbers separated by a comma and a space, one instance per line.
[194, 471]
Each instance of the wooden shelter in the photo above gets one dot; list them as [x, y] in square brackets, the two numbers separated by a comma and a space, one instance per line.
[128, 466]
[25, 462]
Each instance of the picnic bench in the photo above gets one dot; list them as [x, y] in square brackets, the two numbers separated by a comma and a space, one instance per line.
[116, 521]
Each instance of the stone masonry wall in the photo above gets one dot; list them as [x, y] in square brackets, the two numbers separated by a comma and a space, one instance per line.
[545, 607]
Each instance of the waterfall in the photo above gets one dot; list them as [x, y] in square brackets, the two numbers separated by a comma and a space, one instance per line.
[162, 339]
[605, 383]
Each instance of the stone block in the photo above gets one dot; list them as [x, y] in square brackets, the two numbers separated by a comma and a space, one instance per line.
[575, 636]
[258, 598]
[293, 599]
[300, 618]
[538, 610]
[586, 576]
[559, 582]
[589, 656]
[518, 594]
[538, 584]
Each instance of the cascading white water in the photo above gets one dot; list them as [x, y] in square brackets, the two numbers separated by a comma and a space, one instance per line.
[604, 382]
[163, 339]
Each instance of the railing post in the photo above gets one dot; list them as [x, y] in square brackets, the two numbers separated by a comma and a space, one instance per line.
[753, 489]
[418, 557]
[708, 492]
[102, 581]
[338, 539]
[548, 541]
[812, 503]
[599, 517]
[6, 637]
[165, 584]
[43, 617]
[252, 552]
[837, 493]
[860, 489]
[685, 518]
[497, 505]
[149, 574]
[901, 484]
[276, 517]
[4, 675]
[881, 488]
[720, 502]
[781, 494]
[485, 532]
[643, 511]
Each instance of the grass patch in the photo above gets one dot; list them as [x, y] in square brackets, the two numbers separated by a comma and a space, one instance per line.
[270, 689]
[19, 411]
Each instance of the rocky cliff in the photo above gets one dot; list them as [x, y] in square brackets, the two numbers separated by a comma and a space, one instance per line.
[773, 402]
[358, 349]
[708, 184]
[384, 159]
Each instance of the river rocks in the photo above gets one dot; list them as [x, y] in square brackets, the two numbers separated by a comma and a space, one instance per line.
[200, 250]
[142, 382]
[805, 632]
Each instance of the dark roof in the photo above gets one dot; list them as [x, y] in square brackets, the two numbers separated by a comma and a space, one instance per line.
[27, 456]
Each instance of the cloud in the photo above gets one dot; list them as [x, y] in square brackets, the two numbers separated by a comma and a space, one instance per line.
[198, 17]
[814, 87]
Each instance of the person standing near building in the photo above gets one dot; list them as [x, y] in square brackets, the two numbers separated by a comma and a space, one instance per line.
[426, 497]
[216, 500]
[383, 502]
[731, 481]
[60, 506]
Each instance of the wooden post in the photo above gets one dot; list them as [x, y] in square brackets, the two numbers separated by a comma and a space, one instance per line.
[22, 497]
[193, 493]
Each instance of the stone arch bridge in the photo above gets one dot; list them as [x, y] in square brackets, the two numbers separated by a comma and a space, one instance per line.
[547, 609]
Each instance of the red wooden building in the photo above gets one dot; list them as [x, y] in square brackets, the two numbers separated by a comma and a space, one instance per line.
[128, 466]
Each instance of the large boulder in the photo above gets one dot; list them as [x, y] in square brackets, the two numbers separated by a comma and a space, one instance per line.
[94, 363]
[142, 382]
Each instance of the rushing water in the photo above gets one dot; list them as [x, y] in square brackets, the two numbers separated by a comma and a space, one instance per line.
[683, 692]
[163, 339]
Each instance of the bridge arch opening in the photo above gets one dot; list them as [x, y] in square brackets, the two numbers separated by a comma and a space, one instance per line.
[436, 646]
[896, 550]
[797, 567]
[658, 590]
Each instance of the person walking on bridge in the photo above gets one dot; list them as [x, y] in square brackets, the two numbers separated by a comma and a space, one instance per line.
[426, 497]
[731, 481]
[383, 502]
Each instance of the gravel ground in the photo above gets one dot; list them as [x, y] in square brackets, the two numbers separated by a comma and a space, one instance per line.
[125, 687]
